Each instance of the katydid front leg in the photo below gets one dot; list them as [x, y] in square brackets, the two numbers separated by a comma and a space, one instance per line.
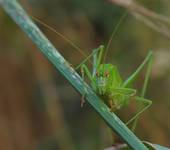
[97, 56]
[85, 70]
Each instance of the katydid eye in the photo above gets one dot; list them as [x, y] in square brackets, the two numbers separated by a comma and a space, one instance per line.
[106, 74]
[97, 74]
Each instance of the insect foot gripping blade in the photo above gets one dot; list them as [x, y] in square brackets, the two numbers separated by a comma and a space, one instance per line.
[112, 106]
[82, 101]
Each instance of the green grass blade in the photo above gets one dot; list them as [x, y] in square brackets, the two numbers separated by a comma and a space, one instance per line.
[155, 146]
[149, 145]
[159, 147]
[18, 14]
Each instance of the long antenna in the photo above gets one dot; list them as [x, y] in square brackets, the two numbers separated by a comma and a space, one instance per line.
[113, 34]
[61, 35]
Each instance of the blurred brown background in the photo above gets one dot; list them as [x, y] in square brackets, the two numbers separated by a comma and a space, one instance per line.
[40, 110]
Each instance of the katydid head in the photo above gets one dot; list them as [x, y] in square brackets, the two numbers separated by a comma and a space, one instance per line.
[106, 77]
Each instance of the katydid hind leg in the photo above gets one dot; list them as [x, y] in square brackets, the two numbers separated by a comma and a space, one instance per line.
[147, 103]
[148, 60]
[147, 75]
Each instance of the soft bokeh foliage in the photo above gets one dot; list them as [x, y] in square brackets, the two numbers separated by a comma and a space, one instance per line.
[40, 110]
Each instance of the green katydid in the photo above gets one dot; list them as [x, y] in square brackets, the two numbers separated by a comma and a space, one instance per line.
[106, 81]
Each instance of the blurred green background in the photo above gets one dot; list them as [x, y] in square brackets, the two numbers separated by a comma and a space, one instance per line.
[40, 110]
